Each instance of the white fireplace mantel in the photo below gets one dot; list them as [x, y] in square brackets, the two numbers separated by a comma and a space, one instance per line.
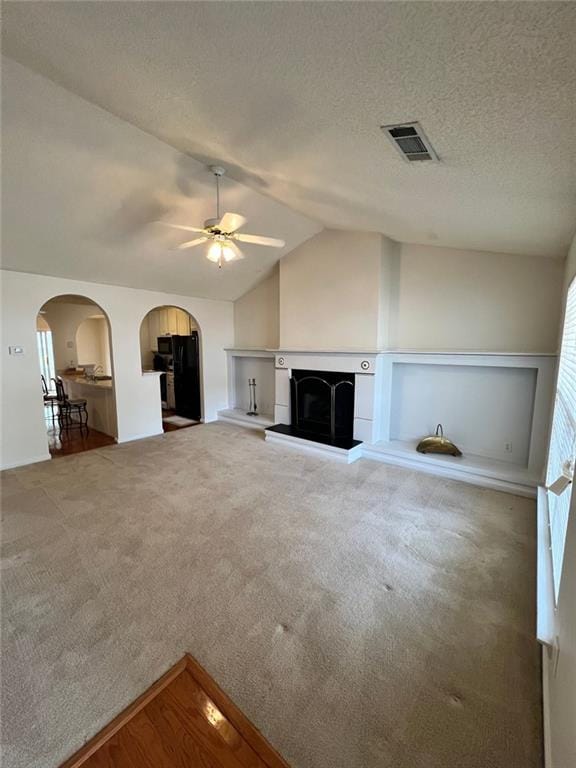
[364, 365]
[380, 396]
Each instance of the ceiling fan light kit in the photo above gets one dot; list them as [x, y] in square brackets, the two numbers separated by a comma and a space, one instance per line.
[222, 233]
[219, 252]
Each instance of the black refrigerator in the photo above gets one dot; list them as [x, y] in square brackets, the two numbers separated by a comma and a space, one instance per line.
[186, 362]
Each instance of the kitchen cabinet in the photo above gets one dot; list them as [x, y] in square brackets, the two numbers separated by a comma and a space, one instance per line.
[168, 320]
[172, 320]
[154, 328]
[182, 323]
[165, 321]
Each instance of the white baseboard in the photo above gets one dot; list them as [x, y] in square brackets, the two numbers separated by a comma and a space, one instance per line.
[24, 462]
[240, 418]
[143, 436]
[450, 472]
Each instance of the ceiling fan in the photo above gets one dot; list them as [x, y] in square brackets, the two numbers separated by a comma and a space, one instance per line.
[222, 232]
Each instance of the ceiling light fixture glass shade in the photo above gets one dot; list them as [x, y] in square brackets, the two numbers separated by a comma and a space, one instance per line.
[219, 252]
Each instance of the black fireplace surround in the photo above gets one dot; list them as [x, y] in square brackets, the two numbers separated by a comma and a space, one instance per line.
[322, 408]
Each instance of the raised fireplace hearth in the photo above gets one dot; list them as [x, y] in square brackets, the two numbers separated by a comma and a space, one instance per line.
[321, 408]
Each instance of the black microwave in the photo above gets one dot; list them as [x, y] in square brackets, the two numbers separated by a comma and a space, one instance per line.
[164, 345]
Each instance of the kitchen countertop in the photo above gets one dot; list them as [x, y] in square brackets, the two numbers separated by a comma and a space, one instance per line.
[78, 379]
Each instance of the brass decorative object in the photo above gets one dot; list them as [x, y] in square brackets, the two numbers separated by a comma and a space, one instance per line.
[437, 443]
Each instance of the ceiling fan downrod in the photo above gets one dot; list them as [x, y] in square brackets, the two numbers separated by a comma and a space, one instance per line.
[218, 172]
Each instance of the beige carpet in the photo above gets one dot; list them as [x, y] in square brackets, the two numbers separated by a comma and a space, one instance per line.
[362, 616]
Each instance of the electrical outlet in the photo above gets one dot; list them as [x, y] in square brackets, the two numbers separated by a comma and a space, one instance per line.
[508, 447]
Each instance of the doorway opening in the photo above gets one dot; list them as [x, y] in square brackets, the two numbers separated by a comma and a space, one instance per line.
[170, 344]
[45, 351]
[76, 375]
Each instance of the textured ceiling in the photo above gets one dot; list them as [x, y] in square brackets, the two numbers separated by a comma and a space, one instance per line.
[82, 190]
[291, 96]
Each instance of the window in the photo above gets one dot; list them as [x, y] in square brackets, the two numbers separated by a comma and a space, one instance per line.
[563, 437]
[46, 356]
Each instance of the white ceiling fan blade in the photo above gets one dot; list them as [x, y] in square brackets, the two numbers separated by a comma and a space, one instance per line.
[230, 222]
[191, 243]
[180, 226]
[272, 242]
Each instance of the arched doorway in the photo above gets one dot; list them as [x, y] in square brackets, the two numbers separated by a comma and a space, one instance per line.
[74, 349]
[170, 344]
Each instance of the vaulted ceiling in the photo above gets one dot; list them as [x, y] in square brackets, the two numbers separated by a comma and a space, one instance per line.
[83, 191]
[290, 96]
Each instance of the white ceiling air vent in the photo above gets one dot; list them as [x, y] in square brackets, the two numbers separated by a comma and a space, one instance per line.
[411, 141]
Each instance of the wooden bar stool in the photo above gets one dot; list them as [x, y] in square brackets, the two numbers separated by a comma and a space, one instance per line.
[68, 408]
[49, 399]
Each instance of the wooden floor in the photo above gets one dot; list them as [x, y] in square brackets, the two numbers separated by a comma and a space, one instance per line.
[76, 440]
[167, 427]
[73, 441]
[183, 721]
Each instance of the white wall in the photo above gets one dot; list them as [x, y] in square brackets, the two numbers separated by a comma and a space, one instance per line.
[146, 353]
[104, 332]
[137, 395]
[451, 299]
[257, 314]
[91, 343]
[330, 292]
[358, 290]
[389, 279]
[562, 682]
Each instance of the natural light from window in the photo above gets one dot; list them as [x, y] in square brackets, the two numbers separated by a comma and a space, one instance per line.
[563, 439]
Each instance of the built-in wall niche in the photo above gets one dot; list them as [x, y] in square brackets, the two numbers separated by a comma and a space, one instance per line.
[244, 365]
[262, 370]
[487, 411]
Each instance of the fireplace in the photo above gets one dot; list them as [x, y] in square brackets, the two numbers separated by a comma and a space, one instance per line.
[321, 408]
[322, 404]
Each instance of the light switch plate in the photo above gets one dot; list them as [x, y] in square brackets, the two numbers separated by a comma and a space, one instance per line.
[16, 350]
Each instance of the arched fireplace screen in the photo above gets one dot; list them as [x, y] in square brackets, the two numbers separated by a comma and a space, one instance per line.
[322, 403]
